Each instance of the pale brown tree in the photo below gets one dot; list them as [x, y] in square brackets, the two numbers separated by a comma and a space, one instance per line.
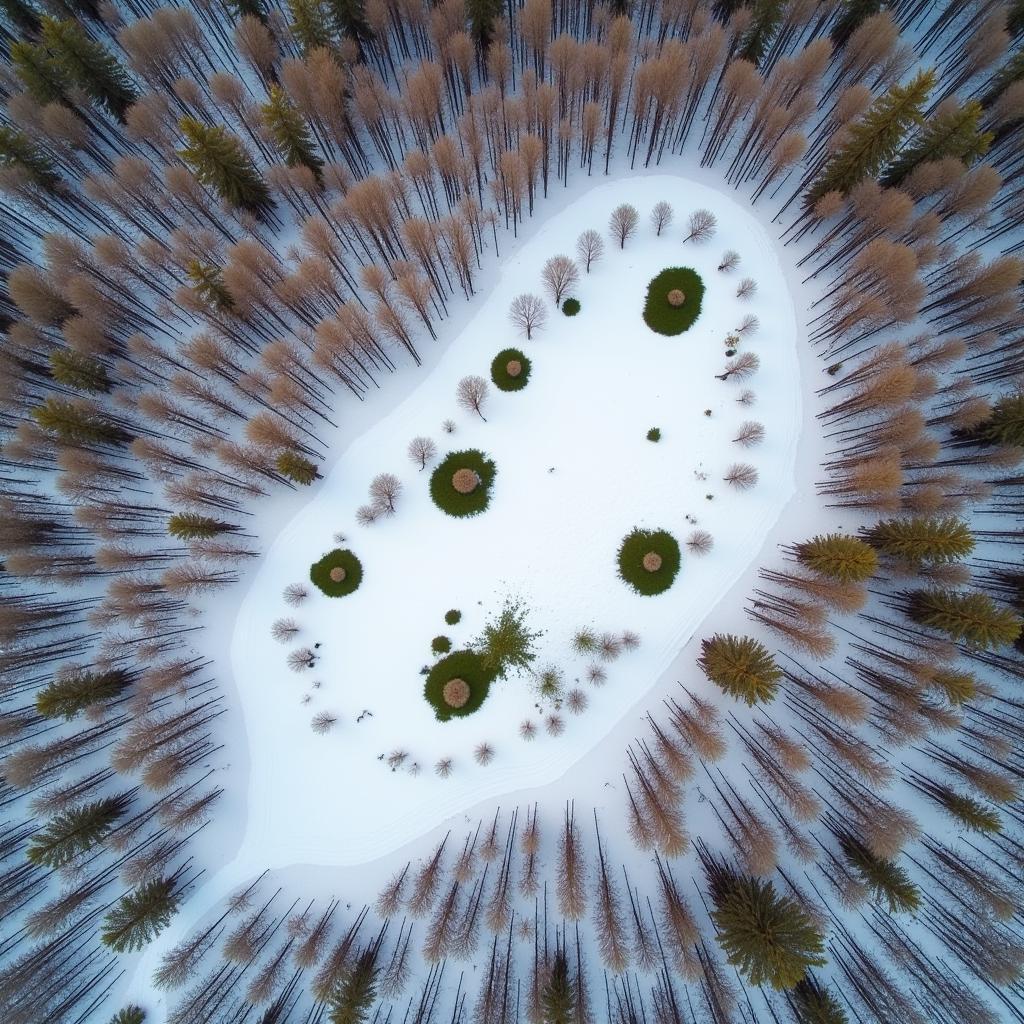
[622, 223]
[559, 275]
[528, 313]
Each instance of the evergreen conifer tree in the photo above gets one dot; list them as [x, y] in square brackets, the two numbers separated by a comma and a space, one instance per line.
[875, 138]
[851, 16]
[771, 938]
[1005, 425]
[886, 879]
[129, 1015]
[219, 160]
[353, 1000]
[208, 282]
[838, 557]
[78, 371]
[965, 810]
[141, 915]
[921, 540]
[74, 832]
[558, 997]
[193, 526]
[76, 421]
[290, 133]
[967, 616]
[255, 8]
[765, 19]
[506, 642]
[73, 691]
[23, 16]
[89, 65]
[742, 666]
[296, 468]
[42, 78]
[482, 15]
[350, 19]
[957, 686]
[812, 1003]
[310, 24]
[952, 132]
[18, 150]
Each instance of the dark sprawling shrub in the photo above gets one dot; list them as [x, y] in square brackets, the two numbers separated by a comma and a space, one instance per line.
[654, 434]
[503, 368]
[338, 573]
[571, 307]
[444, 493]
[452, 616]
[649, 561]
[467, 666]
[440, 645]
[659, 312]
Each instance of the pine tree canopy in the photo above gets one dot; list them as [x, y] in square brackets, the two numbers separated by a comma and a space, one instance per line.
[310, 24]
[18, 150]
[22, 15]
[742, 666]
[875, 138]
[853, 14]
[79, 371]
[219, 160]
[350, 18]
[886, 879]
[967, 616]
[141, 915]
[814, 1004]
[838, 557]
[43, 79]
[1006, 423]
[770, 938]
[506, 642]
[192, 525]
[767, 15]
[129, 1015]
[74, 832]
[971, 813]
[78, 422]
[482, 14]
[922, 539]
[290, 133]
[956, 686]
[296, 468]
[254, 8]
[950, 132]
[74, 691]
[558, 997]
[208, 282]
[353, 1000]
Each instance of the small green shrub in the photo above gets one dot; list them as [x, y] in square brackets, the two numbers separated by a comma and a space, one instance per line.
[320, 573]
[659, 314]
[466, 665]
[452, 616]
[834, 369]
[635, 547]
[443, 491]
[654, 434]
[571, 307]
[505, 381]
[440, 645]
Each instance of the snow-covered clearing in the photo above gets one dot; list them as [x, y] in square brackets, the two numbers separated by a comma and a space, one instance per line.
[599, 381]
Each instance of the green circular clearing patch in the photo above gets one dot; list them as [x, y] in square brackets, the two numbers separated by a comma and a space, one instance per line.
[659, 314]
[505, 381]
[443, 491]
[635, 547]
[320, 573]
[465, 665]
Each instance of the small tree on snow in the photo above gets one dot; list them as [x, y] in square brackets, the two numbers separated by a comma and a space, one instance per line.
[528, 314]
[744, 365]
[589, 248]
[741, 475]
[384, 491]
[506, 642]
[750, 434]
[422, 450]
[730, 261]
[559, 275]
[746, 288]
[661, 216]
[471, 394]
[742, 666]
[702, 224]
[622, 223]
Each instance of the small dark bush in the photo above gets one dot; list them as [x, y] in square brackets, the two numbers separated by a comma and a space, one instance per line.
[443, 491]
[440, 645]
[467, 665]
[320, 573]
[505, 381]
[730, 351]
[452, 616]
[834, 369]
[654, 434]
[659, 314]
[631, 561]
[571, 307]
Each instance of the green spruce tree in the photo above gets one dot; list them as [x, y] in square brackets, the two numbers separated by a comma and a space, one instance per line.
[964, 616]
[310, 24]
[852, 15]
[921, 540]
[956, 685]
[350, 20]
[766, 16]
[506, 642]
[42, 78]
[952, 131]
[208, 283]
[23, 15]
[129, 1015]
[75, 832]
[89, 65]
[78, 371]
[968, 812]
[219, 160]
[353, 1000]
[290, 133]
[297, 468]
[193, 526]
[74, 690]
[838, 556]
[1005, 425]
[19, 151]
[253, 8]
[558, 996]
[875, 138]
[886, 879]
[742, 666]
[482, 15]
[813, 1003]
[76, 421]
[141, 915]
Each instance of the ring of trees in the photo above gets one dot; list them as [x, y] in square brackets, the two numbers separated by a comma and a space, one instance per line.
[338, 573]
[456, 500]
[466, 667]
[649, 561]
[664, 313]
[510, 370]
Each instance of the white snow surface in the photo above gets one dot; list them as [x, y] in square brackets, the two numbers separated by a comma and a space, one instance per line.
[599, 381]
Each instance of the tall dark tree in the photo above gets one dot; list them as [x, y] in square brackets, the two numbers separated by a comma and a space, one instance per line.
[77, 831]
[290, 133]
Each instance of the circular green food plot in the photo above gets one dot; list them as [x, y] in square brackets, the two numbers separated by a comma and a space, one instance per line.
[510, 370]
[461, 484]
[338, 573]
[649, 561]
[673, 300]
[457, 685]
[571, 307]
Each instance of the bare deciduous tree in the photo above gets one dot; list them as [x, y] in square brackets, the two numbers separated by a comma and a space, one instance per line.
[730, 260]
[623, 222]
[700, 542]
[701, 224]
[743, 366]
[284, 629]
[750, 434]
[559, 275]
[323, 722]
[528, 314]
[589, 248]
[661, 216]
[483, 753]
[384, 491]
[741, 476]
[746, 288]
[422, 450]
[295, 594]
[471, 394]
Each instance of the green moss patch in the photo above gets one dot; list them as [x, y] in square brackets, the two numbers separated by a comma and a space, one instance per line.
[659, 313]
[504, 379]
[465, 665]
[636, 547]
[320, 573]
[451, 501]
